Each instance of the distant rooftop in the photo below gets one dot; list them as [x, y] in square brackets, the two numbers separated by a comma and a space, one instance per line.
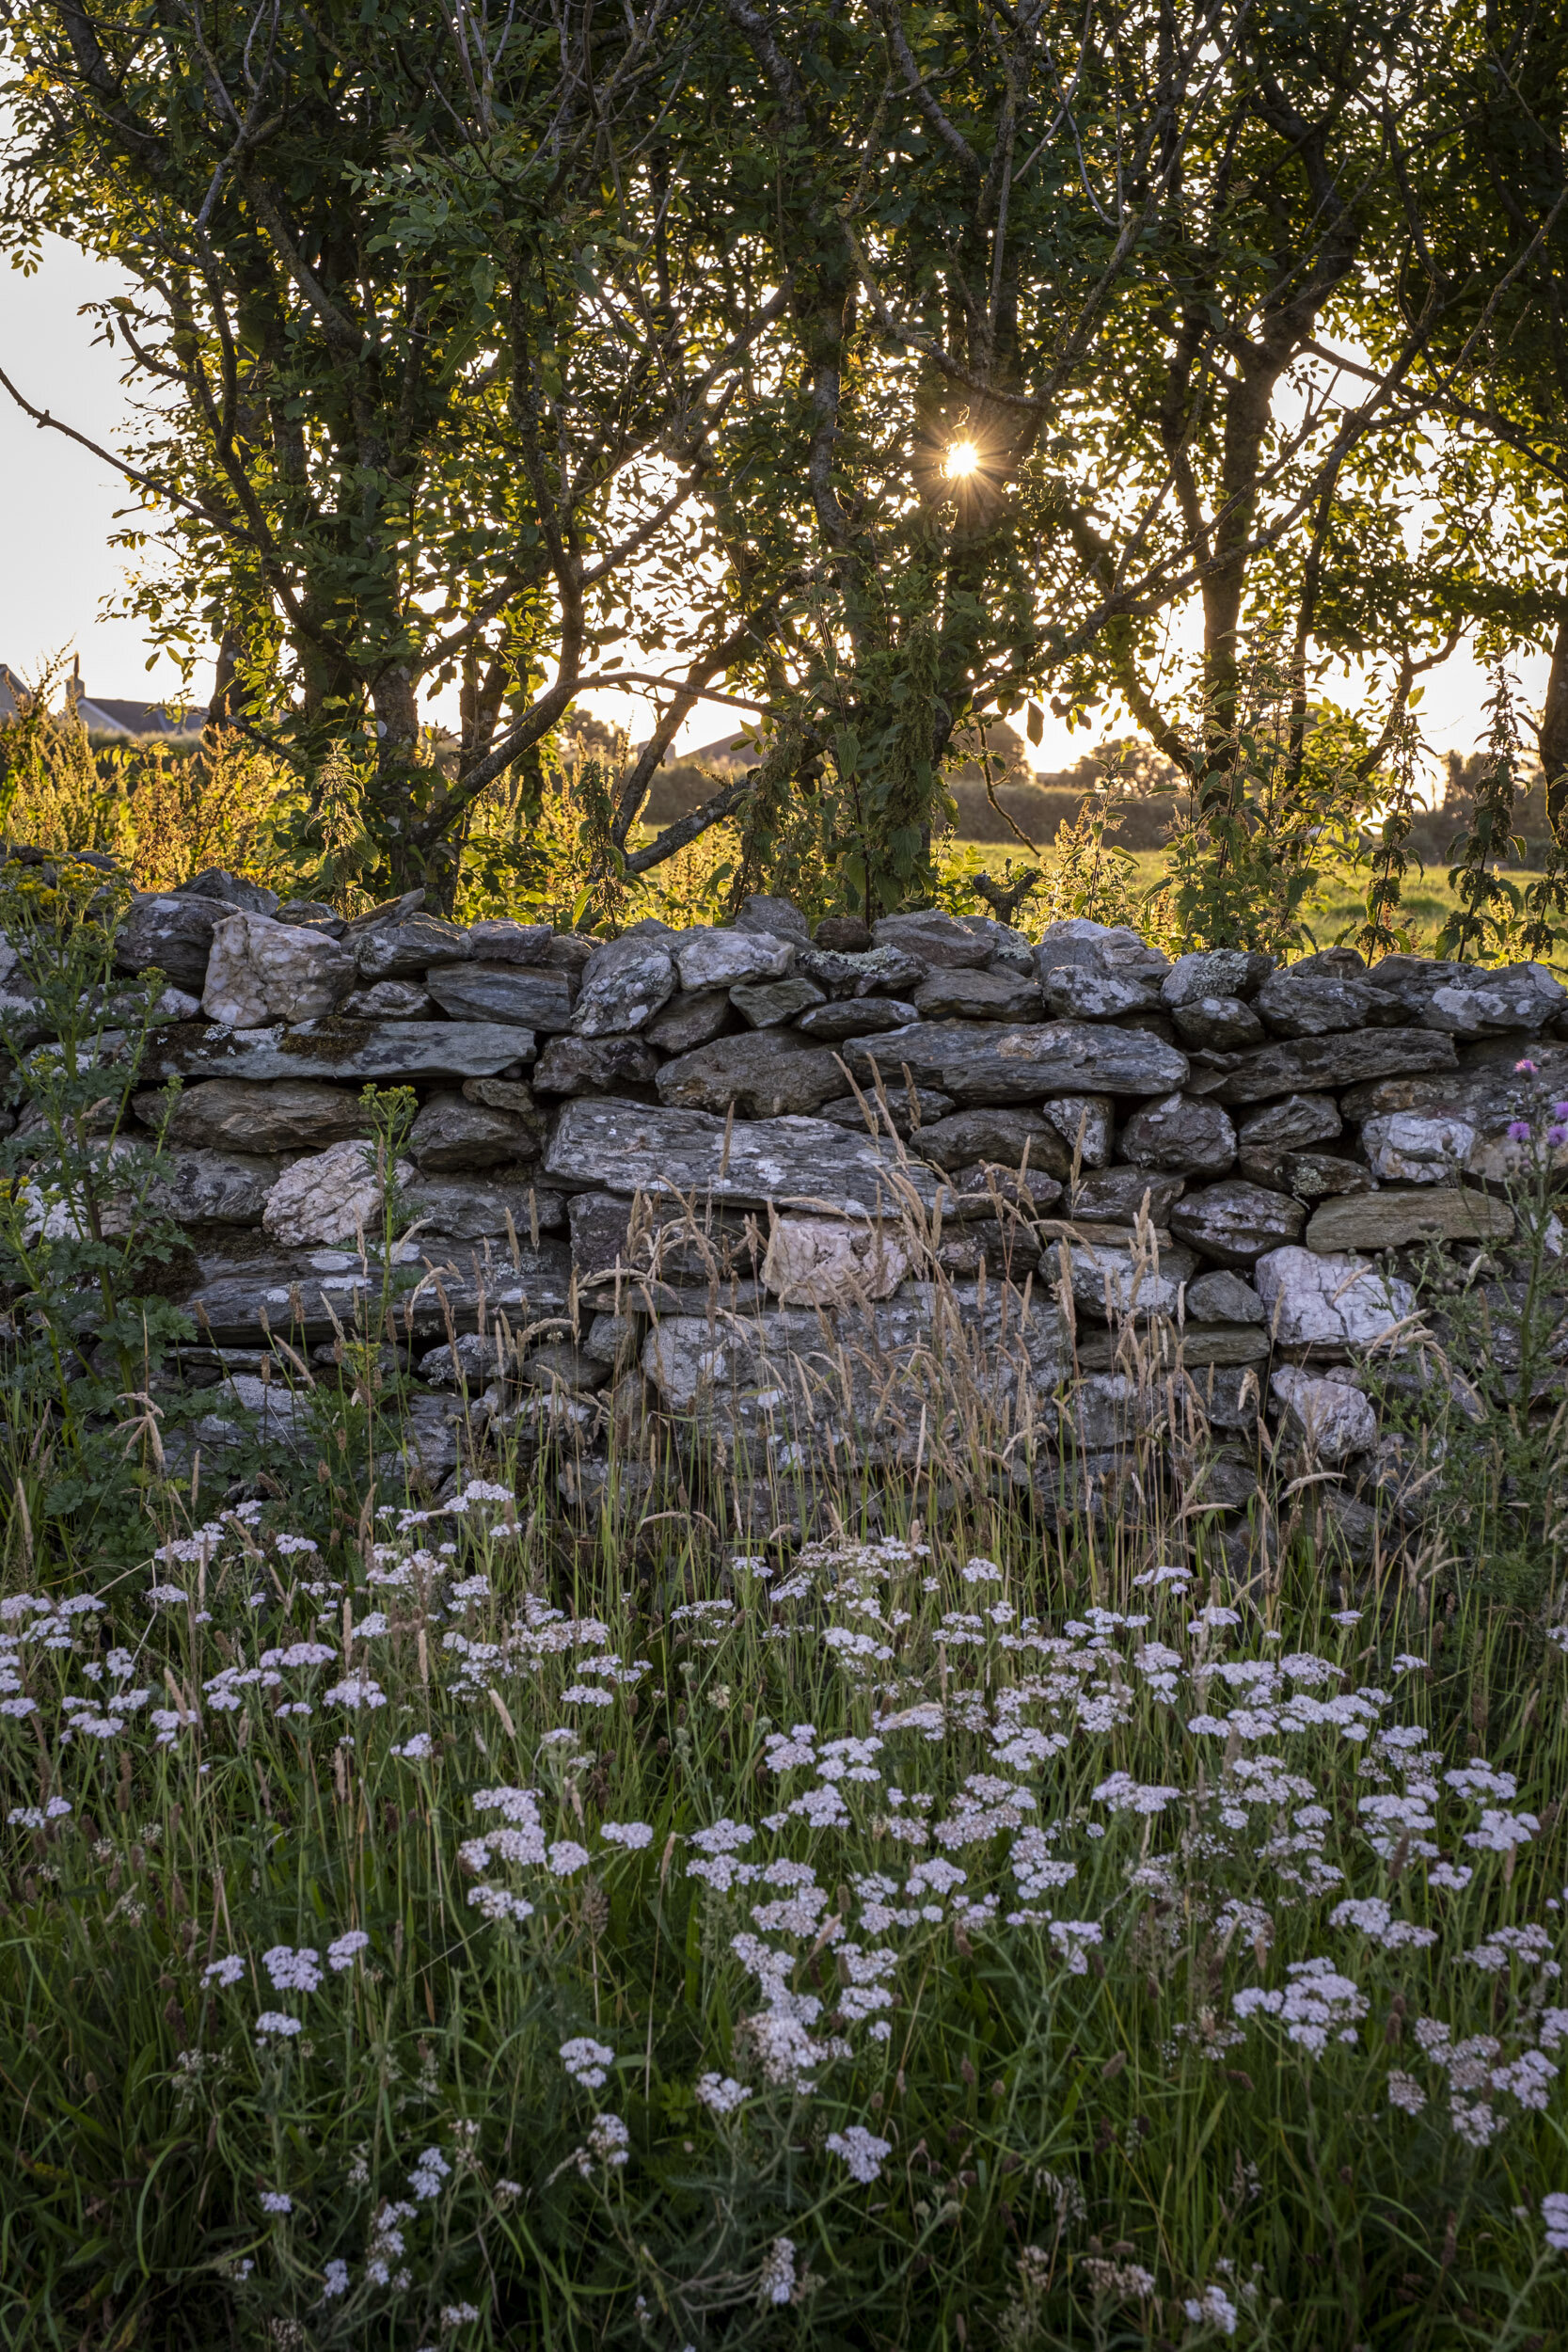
[106, 714]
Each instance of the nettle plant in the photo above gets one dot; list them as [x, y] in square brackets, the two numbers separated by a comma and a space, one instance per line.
[83, 1243]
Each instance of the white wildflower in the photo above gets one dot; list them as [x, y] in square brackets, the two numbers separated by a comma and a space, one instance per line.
[1318, 2001]
[1500, 1832]
[1124, 1794]
[1213, 2308]
[608, 2140]
[586, 2059]
[291, 1971]
[430, 2170]
[720, 2093]
[861, 2150]
[1370, 1916]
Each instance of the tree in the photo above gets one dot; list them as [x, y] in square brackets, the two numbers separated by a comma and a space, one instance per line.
[882, 368]
[420, 409]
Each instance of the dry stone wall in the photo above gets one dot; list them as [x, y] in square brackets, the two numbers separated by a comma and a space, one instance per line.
[805, 1194]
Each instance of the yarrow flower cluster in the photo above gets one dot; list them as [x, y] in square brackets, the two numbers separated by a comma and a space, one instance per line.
[586, 2060]
[720, 2093]
[1214, 2307]
[861, 2150]
[291, 1971]
[1316, 2003]
[776, 2282]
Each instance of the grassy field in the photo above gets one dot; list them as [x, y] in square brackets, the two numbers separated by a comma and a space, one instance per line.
[1335, 910]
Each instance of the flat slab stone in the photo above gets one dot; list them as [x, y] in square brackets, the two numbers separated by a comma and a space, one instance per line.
[1115, 1195]
[334, 1048]
[690, 1020]
[1318, 1004]
[397, 949]
[452, 1133]
[664, 1254]
[1292, 1125]
[632, 1148]
[855, 972]
[524, 996]
[594, 1065]
[1315, 1176]
[767, 1004]
[1100, 946]
[207, 1187]
[1078, 992]
[935, 938]
[1468, 1000]
[1220, 1024]
[895, 1110]
[1223, 1297]
[449, 1208]
[1392, 1220]
[996, 1136]
[956, 995]
[288, 1292]
[229, 1114]
[1309, 1065]
[766, 1074]
[386, 1000]
[861, 1016]
[1208, 1344]
[978, 1061]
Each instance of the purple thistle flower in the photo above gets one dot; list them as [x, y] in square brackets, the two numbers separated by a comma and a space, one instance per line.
[1519, 1131]
[1526, 1069]
[1556, 1137]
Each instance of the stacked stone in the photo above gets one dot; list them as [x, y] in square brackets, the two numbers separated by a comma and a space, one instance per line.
[687, 1163]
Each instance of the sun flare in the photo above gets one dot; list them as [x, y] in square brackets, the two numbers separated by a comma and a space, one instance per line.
[962, 461]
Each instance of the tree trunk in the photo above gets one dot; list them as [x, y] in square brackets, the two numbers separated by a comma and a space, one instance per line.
[397, 789]
[1554, 733]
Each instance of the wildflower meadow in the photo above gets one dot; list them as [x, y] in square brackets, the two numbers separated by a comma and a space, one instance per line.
[437, 1931]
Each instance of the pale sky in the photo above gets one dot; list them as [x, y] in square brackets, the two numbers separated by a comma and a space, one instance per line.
[57, 505]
